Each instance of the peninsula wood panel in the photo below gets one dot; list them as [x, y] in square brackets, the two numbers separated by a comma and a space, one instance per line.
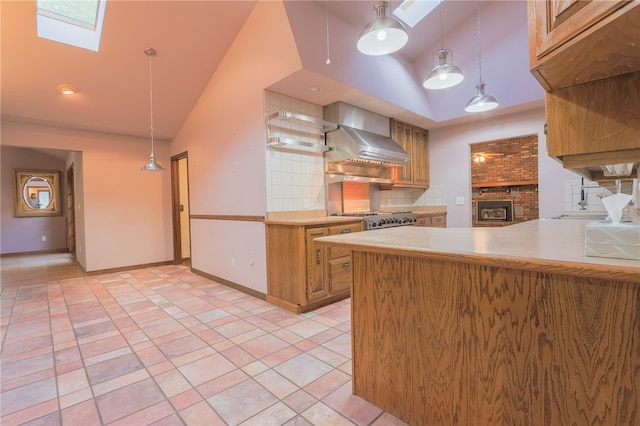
[439, 342]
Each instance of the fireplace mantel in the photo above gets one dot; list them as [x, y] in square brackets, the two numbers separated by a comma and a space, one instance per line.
[496, 184]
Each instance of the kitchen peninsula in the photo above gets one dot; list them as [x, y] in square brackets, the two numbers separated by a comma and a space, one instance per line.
[497, 326]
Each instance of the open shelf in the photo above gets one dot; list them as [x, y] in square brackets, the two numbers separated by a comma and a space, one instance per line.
[279, 123]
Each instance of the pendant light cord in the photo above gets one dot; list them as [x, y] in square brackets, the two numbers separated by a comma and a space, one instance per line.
[327, 10]
[479, 45]
[441, 27]
[151, 99]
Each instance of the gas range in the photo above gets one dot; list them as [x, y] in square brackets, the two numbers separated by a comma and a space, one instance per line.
[380, 220]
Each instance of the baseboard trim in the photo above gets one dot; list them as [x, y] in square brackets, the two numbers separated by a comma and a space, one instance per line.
[29, 253]
[231, 284]
[128, 268]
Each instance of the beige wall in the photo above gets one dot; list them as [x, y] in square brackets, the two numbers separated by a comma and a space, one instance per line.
[225, 139]
[125, 213]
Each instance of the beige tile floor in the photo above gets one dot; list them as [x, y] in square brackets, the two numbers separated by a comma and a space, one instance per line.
[163, 346]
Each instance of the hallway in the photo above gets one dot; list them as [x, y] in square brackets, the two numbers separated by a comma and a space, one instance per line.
[165, 346]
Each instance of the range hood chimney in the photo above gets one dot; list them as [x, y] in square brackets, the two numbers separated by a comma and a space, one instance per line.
[362, 139]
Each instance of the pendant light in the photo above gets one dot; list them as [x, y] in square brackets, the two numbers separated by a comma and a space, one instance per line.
[383, 35]
[481, 101]
[443, 75]
[151, 166]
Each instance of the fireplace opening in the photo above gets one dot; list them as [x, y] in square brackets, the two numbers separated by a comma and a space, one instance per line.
[495, 211]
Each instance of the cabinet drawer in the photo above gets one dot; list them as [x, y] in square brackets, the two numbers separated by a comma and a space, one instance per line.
[439, 221]
[340, 273]
[423, 221]
[343, 229]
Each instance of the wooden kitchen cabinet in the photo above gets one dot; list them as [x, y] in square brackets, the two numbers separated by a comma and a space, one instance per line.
[587, 57]
[434, 220]
[415, 141]
[573, 42]
[301, 275]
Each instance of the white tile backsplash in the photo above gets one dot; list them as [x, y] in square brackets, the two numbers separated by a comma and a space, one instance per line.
[294, 176]
[434, 196]
[593, 197]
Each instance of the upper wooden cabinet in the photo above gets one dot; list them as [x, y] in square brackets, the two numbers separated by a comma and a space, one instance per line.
[573, 42]
[414, 140]
[586, 54]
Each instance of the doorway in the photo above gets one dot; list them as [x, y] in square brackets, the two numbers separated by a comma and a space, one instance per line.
[180, 209]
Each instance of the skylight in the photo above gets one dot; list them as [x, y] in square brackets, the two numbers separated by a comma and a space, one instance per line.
[413, 11]
[74, 22]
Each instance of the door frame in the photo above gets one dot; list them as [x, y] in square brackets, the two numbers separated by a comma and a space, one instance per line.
[70, 216]
[175, 206]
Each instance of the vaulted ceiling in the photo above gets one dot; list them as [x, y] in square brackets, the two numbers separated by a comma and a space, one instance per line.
[192, 37]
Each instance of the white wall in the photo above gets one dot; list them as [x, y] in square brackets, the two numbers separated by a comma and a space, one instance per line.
[449, 162]
[224, 137]
[126, 213]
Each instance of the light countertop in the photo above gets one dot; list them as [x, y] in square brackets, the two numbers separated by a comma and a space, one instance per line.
[556, 246]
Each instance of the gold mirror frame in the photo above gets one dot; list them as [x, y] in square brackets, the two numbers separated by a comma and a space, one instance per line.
[52, 178]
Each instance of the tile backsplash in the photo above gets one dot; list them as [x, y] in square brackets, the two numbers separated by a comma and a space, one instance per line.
[593, 194]
[295, 179]
[436, 195]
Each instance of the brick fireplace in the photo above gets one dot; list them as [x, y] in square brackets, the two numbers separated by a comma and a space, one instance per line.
[504, 181]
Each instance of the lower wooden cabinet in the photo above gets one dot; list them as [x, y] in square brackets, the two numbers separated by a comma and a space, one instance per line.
[302, 276]
[435, 220]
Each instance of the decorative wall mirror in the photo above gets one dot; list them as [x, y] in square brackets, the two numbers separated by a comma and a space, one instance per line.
[37, 193]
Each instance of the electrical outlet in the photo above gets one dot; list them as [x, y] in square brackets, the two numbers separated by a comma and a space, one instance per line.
[44, 238]
[251, 260]
[305, 204]
[460, 201]
[233, 261]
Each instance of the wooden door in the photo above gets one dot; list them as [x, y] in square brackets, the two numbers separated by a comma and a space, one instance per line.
[180, 209]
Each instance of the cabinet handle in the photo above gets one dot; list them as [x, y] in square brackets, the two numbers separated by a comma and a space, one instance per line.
[317, 256]
[345, 231]
[346, 264]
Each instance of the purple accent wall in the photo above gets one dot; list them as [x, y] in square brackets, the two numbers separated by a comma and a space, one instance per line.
[24, 234]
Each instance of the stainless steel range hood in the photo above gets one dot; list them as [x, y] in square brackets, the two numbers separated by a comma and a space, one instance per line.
[362, 136]
[361, 148]
[349, 144]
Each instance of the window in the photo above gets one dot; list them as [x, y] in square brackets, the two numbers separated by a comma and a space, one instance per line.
[74, 22]
[413, 11]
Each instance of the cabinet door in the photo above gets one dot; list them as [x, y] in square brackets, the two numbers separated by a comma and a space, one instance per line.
[402, 133]
[420, 157]
[558, 21]
[340, 269]
[317, 265]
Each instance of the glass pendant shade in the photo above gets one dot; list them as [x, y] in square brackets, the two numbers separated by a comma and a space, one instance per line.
[444, 75]
[151, 166]
[383, 35]
[481, 101]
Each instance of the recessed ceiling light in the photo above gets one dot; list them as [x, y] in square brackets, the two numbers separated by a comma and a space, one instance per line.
[66, 89]
[313, 89]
